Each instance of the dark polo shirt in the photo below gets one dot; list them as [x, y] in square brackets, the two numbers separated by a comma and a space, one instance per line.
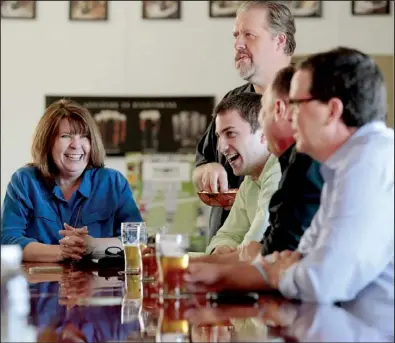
[206, 152]
[294, 204]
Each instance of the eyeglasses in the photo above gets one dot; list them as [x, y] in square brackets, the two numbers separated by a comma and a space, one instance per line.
[294, 103]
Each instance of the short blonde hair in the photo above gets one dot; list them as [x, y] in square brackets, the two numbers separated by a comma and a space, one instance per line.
[81, 121]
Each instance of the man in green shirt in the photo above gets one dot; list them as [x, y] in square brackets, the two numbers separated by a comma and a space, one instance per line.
[241, 141]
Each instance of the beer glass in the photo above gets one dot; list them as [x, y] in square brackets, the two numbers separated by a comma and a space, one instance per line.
[173, 259]
[133, 236]
[150, 265]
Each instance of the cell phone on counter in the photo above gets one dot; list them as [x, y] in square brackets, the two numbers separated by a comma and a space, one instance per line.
[233, 298]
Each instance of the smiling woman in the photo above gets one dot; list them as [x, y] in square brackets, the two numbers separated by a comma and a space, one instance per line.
[66, 203]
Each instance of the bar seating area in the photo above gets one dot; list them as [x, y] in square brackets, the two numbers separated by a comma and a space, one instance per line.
[197, 171]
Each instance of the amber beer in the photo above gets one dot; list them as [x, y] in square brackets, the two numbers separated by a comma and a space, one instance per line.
[150, 266]
[172, 326]
[132, 259]
[172, 273]
[150, 299]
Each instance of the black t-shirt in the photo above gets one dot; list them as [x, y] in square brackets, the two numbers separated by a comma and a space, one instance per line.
[294, 204]
[206, 152]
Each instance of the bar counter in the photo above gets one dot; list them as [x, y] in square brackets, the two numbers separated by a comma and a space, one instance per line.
[72, 304]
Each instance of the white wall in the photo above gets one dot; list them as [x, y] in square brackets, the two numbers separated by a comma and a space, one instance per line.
[130, 56]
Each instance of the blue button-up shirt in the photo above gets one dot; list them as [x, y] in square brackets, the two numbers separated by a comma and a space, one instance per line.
[35, 212]
[348, 251]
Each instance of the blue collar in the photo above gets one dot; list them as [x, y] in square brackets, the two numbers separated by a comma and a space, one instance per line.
[86, 185]
[84, 189]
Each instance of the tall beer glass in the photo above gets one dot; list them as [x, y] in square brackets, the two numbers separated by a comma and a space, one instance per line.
[132, 236]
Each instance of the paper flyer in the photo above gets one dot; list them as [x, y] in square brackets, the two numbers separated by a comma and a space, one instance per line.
[163, 188]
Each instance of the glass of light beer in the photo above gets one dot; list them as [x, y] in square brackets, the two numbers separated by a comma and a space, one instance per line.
[133, 235]
[173, 259]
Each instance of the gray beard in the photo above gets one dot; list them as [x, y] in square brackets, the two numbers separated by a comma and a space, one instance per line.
[247, 74]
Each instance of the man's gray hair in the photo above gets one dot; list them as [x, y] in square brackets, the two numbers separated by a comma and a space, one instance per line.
[280, 20]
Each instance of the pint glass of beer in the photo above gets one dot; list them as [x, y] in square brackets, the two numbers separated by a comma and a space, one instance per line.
[172, 257]
[133, 235]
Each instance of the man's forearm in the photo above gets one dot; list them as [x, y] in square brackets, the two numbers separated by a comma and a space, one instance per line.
[232, 257]
[251, 278]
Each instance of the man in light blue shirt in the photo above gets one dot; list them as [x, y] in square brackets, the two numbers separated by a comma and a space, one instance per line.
[338, 101]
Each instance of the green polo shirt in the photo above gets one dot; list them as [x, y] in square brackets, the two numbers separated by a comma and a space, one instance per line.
[249, 216]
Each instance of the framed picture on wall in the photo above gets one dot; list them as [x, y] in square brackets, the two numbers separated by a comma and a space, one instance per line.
[370, 7]
[161, 9]
[305, 9]
[88, 10]
[18, 9]
[223, 9]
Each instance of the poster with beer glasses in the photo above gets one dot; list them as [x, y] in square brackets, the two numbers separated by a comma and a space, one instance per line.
[147, 124]
[88, 10]
[161, 9]
[18, 9]
[163, 189]
[223, 9]
[173, 259]
[172, 124]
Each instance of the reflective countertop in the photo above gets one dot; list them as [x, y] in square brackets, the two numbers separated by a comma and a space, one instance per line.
[69, 304]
